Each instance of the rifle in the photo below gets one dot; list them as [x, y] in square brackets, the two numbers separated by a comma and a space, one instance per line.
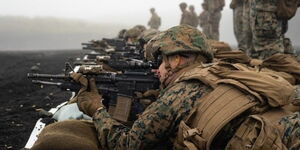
[117, 89]
[117, 43]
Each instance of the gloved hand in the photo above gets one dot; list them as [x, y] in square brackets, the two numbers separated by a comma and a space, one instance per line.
[79, 78]
[88, 99]
[150, 93]
[147, 97]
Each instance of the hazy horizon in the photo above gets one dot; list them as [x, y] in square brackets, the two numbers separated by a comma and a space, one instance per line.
[92, 19]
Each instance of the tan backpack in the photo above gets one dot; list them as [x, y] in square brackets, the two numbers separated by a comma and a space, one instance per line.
[240, 91]
[283, 63]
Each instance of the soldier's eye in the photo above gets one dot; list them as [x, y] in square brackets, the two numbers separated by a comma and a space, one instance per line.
[159, 60]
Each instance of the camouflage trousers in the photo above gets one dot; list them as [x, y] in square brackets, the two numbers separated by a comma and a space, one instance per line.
[206, 29]
[215, 23]
[238, 24]
[291, 134]
[245, 41]
[265, 26]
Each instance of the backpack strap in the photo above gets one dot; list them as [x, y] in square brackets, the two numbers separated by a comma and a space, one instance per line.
[260, 131]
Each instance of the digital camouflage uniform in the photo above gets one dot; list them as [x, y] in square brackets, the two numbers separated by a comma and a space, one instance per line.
[238, 6]
[246, 32]
[204, 22]
[158, 125]
[214, 8]
[291, 136]
[154, 21]
[267, 37]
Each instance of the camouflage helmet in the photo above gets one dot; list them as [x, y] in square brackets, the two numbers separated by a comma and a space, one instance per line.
[147, 35]
[181, 39]
[121, 33]
[140, 27]
[135, 31]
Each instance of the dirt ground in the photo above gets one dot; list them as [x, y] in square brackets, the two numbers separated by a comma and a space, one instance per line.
[19, 98]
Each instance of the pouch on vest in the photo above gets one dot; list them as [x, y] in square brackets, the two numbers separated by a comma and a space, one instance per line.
[241, 90]
[274, 89]
[287, 9]
[259, 132]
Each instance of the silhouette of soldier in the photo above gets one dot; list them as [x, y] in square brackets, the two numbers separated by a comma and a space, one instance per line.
[155, 20]
[194, 17]
[186, 15]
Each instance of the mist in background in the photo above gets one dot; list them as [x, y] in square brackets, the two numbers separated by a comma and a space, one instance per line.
[65, 24]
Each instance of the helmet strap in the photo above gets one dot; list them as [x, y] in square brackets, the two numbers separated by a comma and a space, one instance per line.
[172, 74]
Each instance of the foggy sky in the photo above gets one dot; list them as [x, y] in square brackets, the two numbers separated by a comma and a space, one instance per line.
[125, 12]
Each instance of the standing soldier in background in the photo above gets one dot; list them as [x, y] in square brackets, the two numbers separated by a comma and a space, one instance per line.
[194, 17]
[203, 21]
[186, 15]
[214, 8]
[155, 20]
[238, 7]
[287, 43]
[267, 19]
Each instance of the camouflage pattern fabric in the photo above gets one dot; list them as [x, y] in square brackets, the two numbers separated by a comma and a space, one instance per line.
[134, 32]
[158, 124]
[238, 22]
[121, 34]
[203, 21]
[291, 136]
[266, 27]
[154, 21]
[214, 20]
[214, 8]
[288, 47]
[296, 96]
[181, 39]
[147, 35]
[246, 34]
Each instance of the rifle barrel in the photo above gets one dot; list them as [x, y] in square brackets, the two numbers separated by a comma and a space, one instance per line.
[46, 76]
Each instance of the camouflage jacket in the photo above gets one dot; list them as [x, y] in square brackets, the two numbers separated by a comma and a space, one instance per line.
[159, 122]
[204, 18]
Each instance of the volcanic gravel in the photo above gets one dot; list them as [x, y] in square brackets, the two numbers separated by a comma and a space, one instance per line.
[19, 98]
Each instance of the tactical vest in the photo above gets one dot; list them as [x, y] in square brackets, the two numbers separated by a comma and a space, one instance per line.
[231, 98]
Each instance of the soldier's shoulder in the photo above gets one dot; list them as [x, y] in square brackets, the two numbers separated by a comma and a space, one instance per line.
[184, 87]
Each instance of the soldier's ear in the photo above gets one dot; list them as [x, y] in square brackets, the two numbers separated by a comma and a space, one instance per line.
[177, 60]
